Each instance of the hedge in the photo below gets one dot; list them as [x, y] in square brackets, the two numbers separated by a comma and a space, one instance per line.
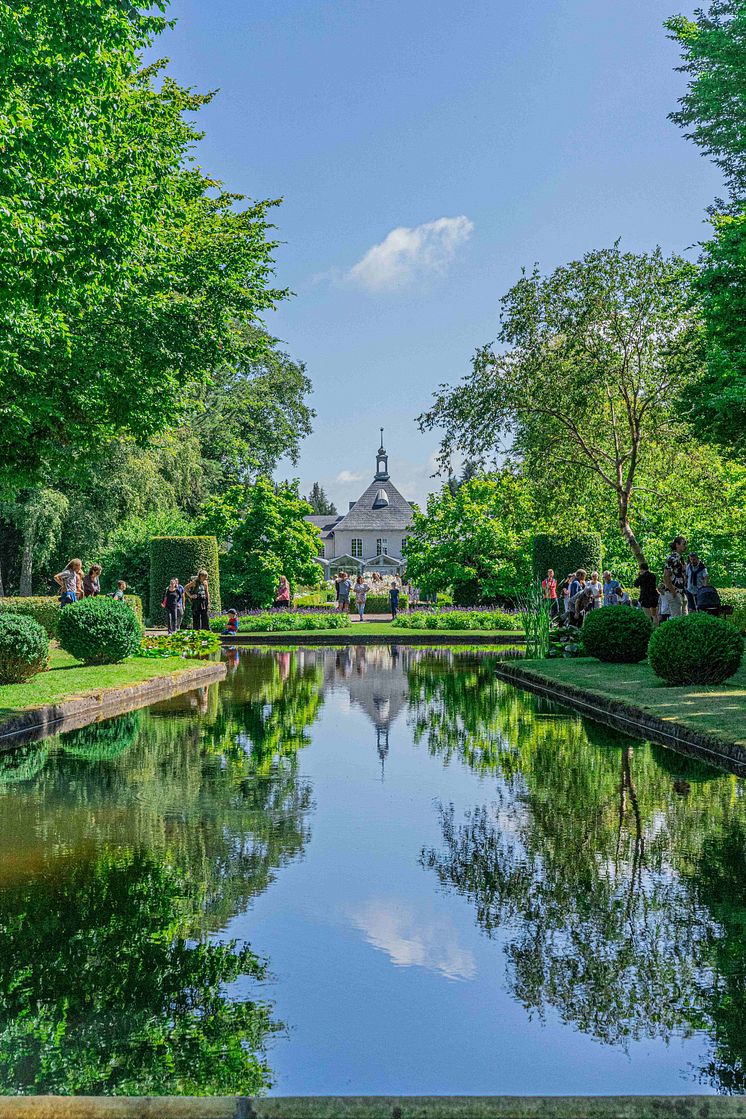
[735, 597]
[99, 630]
[565, 556]
[695, 649]
[182, 556]
[283, 621]
[24, 648]
[617, 634]
[45, 609]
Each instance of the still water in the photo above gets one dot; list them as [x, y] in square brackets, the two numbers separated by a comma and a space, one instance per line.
[368, 870]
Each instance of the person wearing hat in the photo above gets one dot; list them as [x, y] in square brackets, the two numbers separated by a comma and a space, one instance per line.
[231, 627]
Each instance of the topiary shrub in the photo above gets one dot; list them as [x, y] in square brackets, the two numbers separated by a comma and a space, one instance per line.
[735, 597]
[617, 634]
[564, 556]
[43, 609]
[697, 649]
[182, 556]
[24, 648]
[99, 631]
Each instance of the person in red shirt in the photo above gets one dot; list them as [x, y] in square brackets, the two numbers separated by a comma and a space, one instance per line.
[549, 588]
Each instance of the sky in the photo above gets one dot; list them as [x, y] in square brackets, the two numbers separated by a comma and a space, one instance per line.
[425, 152]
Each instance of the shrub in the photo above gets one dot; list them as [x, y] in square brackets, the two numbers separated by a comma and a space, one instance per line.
[283, 621]
[735, 597]
[459, 619]
[697, 649]
[380, 603]
[135, 604]
[182, 556]
[24, 648]
[99, 630]
[617, 634]
[44, 610]
[565, 556]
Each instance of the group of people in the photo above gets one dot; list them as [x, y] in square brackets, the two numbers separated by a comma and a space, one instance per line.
[684, 587]
[197, 590]
[74, 585]
[345, 588]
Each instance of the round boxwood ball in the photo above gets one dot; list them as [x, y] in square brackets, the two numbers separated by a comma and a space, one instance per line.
[617, 634]
[24, 648]
[99, 630]
[697, 649]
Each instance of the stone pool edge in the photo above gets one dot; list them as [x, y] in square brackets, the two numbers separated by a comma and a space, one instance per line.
[629, 719]
[33, 723]
[374, 1107]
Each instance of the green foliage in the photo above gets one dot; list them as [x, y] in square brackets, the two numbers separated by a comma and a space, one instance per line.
[617, 634]
[380, 603]
[199, 643]
[99, 631]
[321, 597]
[735, 597]
[474, 539]
[24, 648]
[42, 609]
[697, 649]
[537, 621]
[319, 501]
[182, 557]
[127, 554]
[459, 619]
[565, 641]
[564, 556]
[102, 742]
[283, 621]
[271, 540]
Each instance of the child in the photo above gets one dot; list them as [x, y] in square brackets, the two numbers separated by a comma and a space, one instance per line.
[70, 583]
[231, 628]
[664, 604]
[118, 594]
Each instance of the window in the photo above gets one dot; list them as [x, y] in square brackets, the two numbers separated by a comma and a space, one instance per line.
[357, 549]
[403, 545]
[382, 545]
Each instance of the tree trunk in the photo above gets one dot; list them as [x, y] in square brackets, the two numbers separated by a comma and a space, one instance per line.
[27, 557]
[626, 529]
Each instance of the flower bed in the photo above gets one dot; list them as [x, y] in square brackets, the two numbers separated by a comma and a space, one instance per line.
[283, 621]
[460, 619]
[186, 643]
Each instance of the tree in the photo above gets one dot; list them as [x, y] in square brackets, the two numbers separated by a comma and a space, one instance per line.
[475, 540]
[123, 269]
[272, 539]
[38, 515]
[597, 355]
[319, 502]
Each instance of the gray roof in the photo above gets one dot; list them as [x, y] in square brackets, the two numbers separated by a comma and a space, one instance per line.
[326, 523]
[370, 513]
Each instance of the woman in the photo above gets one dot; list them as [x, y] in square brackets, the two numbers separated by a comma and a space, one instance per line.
[198, 593]
[647, 583]
[343, 593]
[566, 592]
[172, 600]
[92, 581]
[69, 582]
[282, 598]
[597, 587]
[361, 590]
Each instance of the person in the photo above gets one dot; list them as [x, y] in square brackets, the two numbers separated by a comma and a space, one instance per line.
[611, 589]
[198, 592]
[567, 583]
[696, 572]
[67, 581]
[343, 593]
[664, 604]
[171, 600]
[580, 603]
[282, 598]
[361, 590]
[549, 590]
[596, 586]
[708, 599]
[674, 578]
[623, 598]
[394, 599]
[648, 591]
[231, 626]
[92, 581]
[118, 594]
[578, 583]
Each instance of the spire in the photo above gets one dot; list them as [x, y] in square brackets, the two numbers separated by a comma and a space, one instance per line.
[382, 463]
[381, 450]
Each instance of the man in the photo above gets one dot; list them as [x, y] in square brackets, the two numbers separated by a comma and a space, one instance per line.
[549, 590]
[674, 578]
[696, 572]
[612, 588]
[578, 583]
[708, 599]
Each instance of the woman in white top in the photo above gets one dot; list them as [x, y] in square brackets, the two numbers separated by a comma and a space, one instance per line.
[361, 589]
[597, 587]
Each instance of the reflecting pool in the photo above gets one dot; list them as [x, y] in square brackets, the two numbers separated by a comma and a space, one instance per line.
[368, 870]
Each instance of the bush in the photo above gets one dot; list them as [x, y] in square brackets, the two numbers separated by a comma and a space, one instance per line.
[735, 597]
[24, 648]
[135, 604]
[182, 556]
[380, 603]
[46, 610]
[697, 649]
[565, 556]
[459, 619]
[283, 621]
[617, 634]
[99, 630]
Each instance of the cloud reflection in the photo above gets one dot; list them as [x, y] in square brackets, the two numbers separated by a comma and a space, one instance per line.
[413, 939]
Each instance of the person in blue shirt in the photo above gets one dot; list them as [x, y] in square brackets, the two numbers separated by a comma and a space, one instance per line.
[394, 600]
[612, 588]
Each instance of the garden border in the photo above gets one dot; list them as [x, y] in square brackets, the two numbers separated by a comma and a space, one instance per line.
[628, 719]
[348, 637]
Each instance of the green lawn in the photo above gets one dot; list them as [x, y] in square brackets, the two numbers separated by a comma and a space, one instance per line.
[719, 710]
[362, 629]
[67, 678]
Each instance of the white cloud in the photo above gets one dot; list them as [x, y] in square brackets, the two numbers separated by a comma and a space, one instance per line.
[406, 254]
[413, 939]
[348, 476]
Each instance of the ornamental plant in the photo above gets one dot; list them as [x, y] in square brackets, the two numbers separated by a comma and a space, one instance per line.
[24, 648]
[617, 634]
[198, 643]
[697, 649]
[99, 631]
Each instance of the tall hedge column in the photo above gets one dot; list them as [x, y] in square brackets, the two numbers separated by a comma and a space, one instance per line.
[182, 556]
[565, 556]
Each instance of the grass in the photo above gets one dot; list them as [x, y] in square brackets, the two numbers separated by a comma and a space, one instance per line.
[363, 629]
[67, 678]
[716, 709]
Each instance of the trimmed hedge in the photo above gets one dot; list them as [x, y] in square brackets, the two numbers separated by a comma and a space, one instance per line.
[99, 631]
[617, 634]
[379, 603]
[460, 619]
[565, 556]
[283, 621]
[696, 649]
[24, 648]
[735, 597]
[46, 610]
[182, 556]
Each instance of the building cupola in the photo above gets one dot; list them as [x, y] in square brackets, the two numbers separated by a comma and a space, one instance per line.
[382, 463]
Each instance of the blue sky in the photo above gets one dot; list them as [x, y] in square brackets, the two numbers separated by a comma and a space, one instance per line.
[426, 151]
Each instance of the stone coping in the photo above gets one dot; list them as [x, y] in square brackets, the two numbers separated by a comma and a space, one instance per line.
[349, 637]
[374, 1107]
[34, 723]
[629, 719]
